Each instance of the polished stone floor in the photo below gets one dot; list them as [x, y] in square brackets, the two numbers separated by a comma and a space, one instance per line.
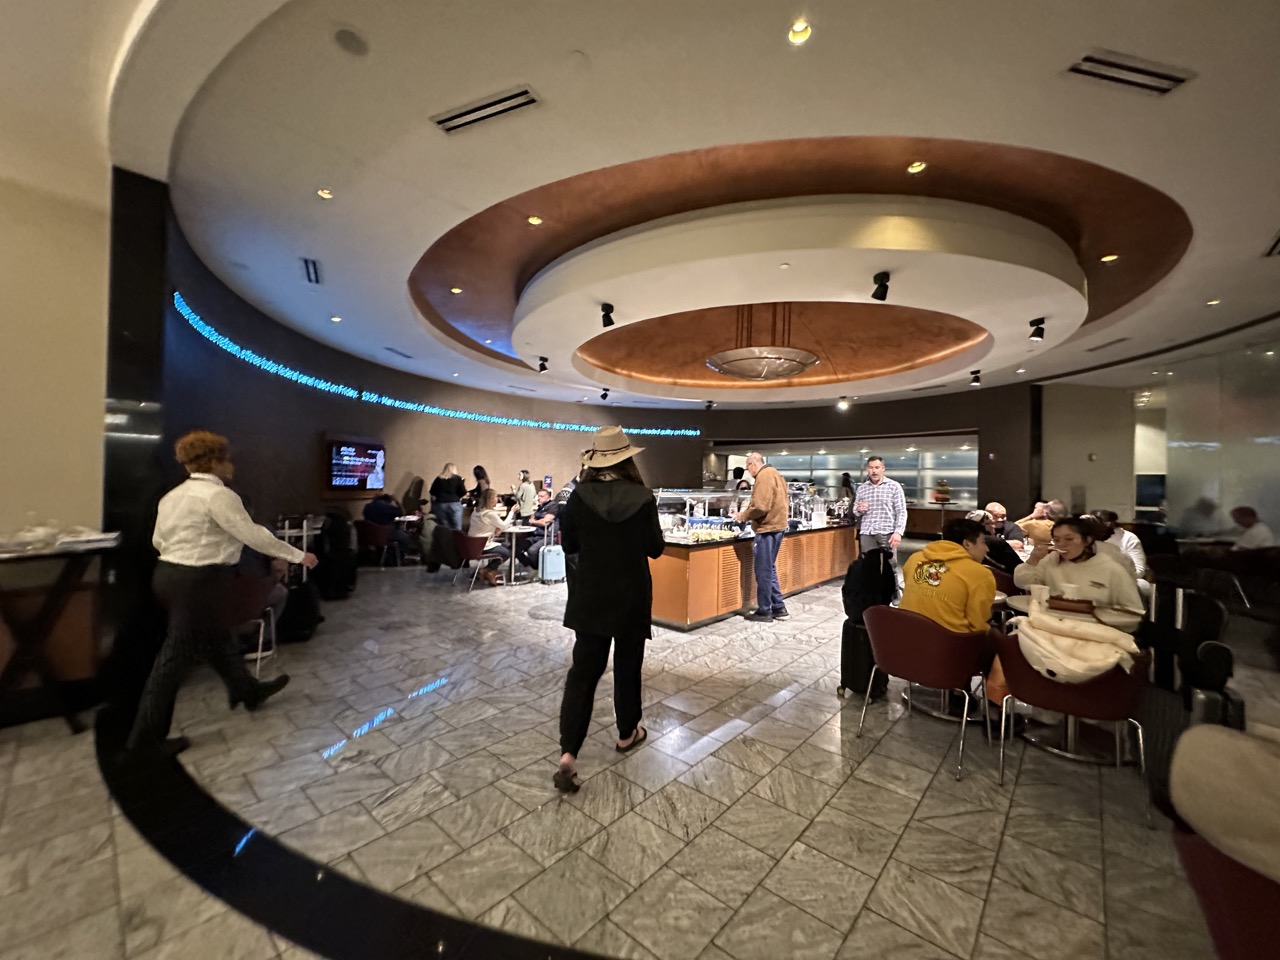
[414, 751]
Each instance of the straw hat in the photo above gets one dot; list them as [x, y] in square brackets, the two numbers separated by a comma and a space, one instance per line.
[609, 446]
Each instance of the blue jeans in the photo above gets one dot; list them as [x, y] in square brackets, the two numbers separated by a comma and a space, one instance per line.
[764, 552]
[448, 515]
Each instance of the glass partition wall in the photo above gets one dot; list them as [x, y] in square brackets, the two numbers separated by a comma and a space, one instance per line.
[920, 464]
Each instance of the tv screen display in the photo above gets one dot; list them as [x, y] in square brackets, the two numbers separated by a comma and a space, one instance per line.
[1150, 489]
[357, 466]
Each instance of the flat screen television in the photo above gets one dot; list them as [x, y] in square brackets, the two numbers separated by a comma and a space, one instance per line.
[1150, 489]
[357, 465]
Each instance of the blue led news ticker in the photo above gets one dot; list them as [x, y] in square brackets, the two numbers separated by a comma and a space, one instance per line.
[369, 396]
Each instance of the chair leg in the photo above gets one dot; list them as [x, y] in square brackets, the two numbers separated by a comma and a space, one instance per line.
[1142, 771]
[1240, 590]
[1004, 716]
[475, 573]
[986, 707]
[1115, 729]
[382, 558]
[964, 725]
[908, 699]
[257, 664]
[866, 699]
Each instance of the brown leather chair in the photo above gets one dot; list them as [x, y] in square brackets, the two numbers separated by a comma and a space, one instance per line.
[918, 650]
[1240, 905]
[1112, 697]
[248, 607]
[471, 549]
[376, 537]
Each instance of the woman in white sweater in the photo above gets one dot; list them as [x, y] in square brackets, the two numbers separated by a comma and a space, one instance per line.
[1073, 560]
[487, 522]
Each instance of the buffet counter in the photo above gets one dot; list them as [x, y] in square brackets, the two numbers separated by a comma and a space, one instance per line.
[698, 583]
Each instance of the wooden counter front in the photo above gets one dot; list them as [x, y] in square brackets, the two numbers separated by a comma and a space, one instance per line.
[929, 521]
[695, 584]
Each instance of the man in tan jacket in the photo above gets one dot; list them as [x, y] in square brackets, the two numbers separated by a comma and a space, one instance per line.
[767, 512]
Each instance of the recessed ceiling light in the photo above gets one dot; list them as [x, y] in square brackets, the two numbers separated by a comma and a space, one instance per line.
[1270, 353]
[822, 451]
[324, 193]
[1212, 303]
[1021, 370]
[865, 450]
[335, 319]
[535, 220]
[784, 453]
[1168, 373]
[800, 32]
[964, 446]
[784, 266]
[1155, 373]
[1109, 257]
[917, 167]
[455, 290]
[455, 374]
[488, 341]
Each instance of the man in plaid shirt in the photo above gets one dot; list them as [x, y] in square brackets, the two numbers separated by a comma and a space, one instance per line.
[881, 507]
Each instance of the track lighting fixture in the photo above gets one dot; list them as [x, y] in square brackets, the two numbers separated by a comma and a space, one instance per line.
[711, 404]
[542, 364]
[606, 314]
[881, 280]
[604, 395]
[1037, 329]
[842, 404]
[977, 379]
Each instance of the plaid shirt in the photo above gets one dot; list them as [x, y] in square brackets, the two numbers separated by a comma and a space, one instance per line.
[886, 507]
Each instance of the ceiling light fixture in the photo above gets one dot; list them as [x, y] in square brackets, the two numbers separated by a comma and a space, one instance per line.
[606, 314]
[865, 450]
[917, 167]
[842, 404]
[535, 220]
[455, 290]
[455, 374]
[324, 193]
[488, 341]
[800, 31]
[977, 379]
[1109, 257]
[776, 361]
[784, 266]
[604, 394]
[335, 319]
[542, 364]
[1020, 370]
[964, 446]
[881, 280]
[1212, 303]
[1269, 353]
[1037, 330]
[822, 451]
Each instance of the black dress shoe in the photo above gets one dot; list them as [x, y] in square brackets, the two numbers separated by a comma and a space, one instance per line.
[257, 695]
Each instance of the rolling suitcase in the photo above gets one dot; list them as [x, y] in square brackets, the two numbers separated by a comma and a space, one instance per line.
[869, 582]
[856, 661]
[551, 563]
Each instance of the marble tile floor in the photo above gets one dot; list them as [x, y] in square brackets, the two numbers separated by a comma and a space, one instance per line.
[413, 751]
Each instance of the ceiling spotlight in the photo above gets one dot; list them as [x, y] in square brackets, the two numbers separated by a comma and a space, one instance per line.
[784, 266]
[977, 379]
[1155, 373]
[1037, 329]
[881, 280]
[606, 314]
[324, 193]
[1109, 257]
[535, 220]
[542, 364]
[1212, 303]
[488, 341]
[1021, 370]
[455, 374]
[865, 450]
[335, 319]
[917, 167]
[842, 404]
[1168, 373]
[800, 32]
[964, 446]
[455, 290]
[710, 404]
[1269, 353]
[604, 395]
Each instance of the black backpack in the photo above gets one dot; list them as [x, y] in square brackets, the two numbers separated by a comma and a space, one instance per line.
[869, 582]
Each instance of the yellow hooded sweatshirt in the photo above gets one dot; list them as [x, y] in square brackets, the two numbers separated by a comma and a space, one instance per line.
[948, 586]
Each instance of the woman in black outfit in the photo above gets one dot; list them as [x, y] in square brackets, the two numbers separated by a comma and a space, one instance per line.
[447, 491]
[611, 524]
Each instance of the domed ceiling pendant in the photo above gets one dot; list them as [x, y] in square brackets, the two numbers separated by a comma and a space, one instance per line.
[778, 360]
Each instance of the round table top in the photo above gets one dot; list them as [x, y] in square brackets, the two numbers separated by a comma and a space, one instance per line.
[1020, 602]
[521, 529]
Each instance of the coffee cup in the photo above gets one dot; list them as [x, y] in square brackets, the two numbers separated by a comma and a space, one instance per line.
[1070, 591]
[1039, 593]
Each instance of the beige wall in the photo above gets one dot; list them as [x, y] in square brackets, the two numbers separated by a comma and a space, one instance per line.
[53, 334]
[1150, 443]
[1088, 441]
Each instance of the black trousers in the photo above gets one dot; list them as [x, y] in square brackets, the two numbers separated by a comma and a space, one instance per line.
[590, 657]
[200, 602]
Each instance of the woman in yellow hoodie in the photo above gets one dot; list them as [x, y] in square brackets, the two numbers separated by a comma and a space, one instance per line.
[947, 582]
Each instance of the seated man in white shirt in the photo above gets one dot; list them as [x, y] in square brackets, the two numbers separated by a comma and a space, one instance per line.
[1255, 534]
[1127, 543]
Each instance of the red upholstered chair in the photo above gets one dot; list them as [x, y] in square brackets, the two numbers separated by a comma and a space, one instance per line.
[376, 537]
[1240, 905]
[1005, 584]
[1112, 697]
[471, 549]
[248, 607]
[918, 650]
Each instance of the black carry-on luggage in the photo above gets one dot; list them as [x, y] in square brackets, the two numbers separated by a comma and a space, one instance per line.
[869, 582]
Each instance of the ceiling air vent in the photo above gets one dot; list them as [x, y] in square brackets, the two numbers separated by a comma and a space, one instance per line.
[936, 386]
[1146, 75]
[398, 353]
[512, 386]
[486, 108]
[1106, 346]
[311, 269]
[1274, 249]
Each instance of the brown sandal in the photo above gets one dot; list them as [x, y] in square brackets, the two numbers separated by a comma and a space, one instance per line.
[566, 780]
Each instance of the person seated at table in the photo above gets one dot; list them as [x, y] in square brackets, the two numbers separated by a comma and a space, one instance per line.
[1254, 535]
[1074, 564]
[1128, 544]
[544, 518]
[487, 522]
[947, 582]
[383, 511]
[1000, 554]
[1005, 528]
[1039, 530]
[1101, 534]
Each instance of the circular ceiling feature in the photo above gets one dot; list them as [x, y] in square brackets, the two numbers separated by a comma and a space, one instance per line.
[762, 363]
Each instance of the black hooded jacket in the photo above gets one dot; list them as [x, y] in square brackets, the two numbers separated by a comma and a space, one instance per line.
[612, 527]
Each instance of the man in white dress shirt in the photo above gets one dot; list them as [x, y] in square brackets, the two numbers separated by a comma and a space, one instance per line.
[1256, 534]
[881, 507]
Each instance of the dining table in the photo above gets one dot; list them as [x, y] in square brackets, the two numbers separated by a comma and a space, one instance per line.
[513, 534]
